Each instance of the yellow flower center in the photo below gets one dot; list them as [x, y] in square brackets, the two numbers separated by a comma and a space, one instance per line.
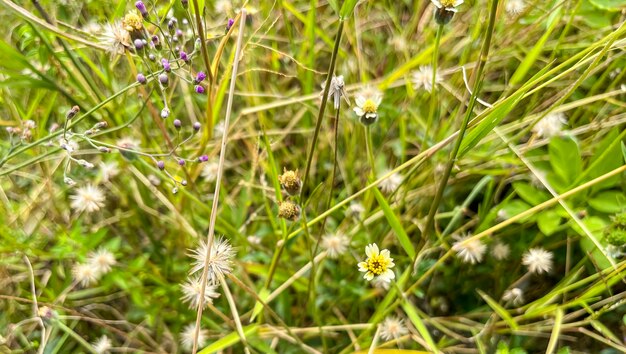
[377, 264]
[369, 106]
[132, 21]
[447, 3]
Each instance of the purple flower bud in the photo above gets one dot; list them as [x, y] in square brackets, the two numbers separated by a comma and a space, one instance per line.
[161, 165]
[184, 56]
[196, 126]
[200, 76]
[166, 65]
[156, 41]
[230, 24]
[203, 158]
[177, 123]
[141, 79]
[163, 79]
[181, 162]
[199, 89]
[142, 8]
[179, 32]
[138, 44]
[171, 24]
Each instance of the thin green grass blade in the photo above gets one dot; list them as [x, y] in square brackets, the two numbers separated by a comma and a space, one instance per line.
[395, 223]
[501, 311]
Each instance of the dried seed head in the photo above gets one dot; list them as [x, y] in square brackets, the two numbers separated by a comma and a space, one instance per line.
[288, 210]
[290, 181]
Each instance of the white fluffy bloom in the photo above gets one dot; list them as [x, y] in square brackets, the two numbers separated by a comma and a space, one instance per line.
[551, 125]
[89, 198]
[102, 345]
[209, 171]
[538, 260]
[501, 251]
[85, 273]
[423, 77]
[514, 296]
[393, 328]
[335, 244]
[390, 184]
[109, 170]
[115, 38]
[223, 7]
[515, 7]
[192, 289]
[378, 264]
[102, 260]
[469, 250]
[448, 5]
[220, 260]
[187, 335]
[355, 210]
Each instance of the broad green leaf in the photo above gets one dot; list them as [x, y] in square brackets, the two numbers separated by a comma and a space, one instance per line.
[595, 226]
[609, 202]
[565, 158]
[511, 208]
[395, 223]
[624, 151]
[548, 222]
[610, 5]
[530, 194]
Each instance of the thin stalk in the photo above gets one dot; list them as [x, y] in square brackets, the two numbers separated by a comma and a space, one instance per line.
[484, 53]
[320, 115]
[218, 182]
[433, 93]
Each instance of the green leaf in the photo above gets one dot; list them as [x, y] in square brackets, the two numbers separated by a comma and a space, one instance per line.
[548, 222]
[501, 311]
[334, 5]
[624, 151]
[565, 158]
[595, 226]
[395, 223]
[610, 5]
[530, 194]
[228, 340]
[609, 202]
[347, 8]
[419, 325]
[514, 207]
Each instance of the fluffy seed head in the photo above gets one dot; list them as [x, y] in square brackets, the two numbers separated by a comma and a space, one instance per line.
[187, 336]
[192, 289]
[514, 296]
[538, 260]
[288, 210]
[393, 328]
[550, 125]
[101, 260]
[85, 274]
[87, 199]
[290, 181]
[220, 258]
[102, 345]
[423, 77]
[335, 244]
[469, 250]
[501, 251]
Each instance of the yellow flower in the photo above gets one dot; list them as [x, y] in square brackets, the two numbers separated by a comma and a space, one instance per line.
[378, 264]
[133, 21]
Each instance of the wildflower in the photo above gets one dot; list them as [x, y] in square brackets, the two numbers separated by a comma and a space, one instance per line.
[335, 244]
[393, 328]
[68, 145]
[219, 129]
[109, 170]
[142, 8]
[230, 24]
[200, 76]
[192, 289]
[199, 89]
[89, 198]
[45, 312]
[132, 21]
[85, 274]
[423, 77]
[378, 264]
[288, 210]
[550, 125]
[139, 44]
[470, 250]
[188, 334]
[102, 345]
[164, 80]
[355, 210]
[367, 103]
[223, 6]
[220, 260]
[290, 181]
[538, 260]
[209, 171]
[380, 284]
[391, 183]
[165, 113]
[102, 260]
[181, 162]
[514, 296]
[196, 126]
[445, 10]
[501, 251]
[115, 38]
[336, 90]
[515, 7]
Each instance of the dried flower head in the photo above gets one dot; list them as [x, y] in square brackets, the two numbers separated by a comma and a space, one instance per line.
[133, 21]
[470, 250]
[538, 260]
[290, 181]
[335, 244]
[85, 274]
[367, 103]
[102, 345]
[288, 210]
[423, 77]
[220, 260]
[188, 334]
[102, 260]
[391, 183]
[515, 7]
[209, 171]
[514, 296]
[192, 292]
[115, 38]
[393, 328]
[108, 170]
[355, 210]
[378, 264]
[87, 199]
[336, 91]
[501, 251]
[550, 125]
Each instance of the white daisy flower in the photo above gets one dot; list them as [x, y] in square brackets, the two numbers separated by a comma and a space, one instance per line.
[448, 5]
[550, 125]
[220, 260]
[469, 250]
[192, 289]
[378, 264]
[89, 199]
[423, 77]
[187, 336]
[501, 251]
[393, 328]
[335, 244]
[102, 260]
[367, 103]
[538, 260]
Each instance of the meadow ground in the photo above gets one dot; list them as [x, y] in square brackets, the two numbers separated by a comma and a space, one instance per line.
[312, 176]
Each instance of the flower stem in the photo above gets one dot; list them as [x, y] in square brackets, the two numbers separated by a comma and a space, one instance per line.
[484, 53]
